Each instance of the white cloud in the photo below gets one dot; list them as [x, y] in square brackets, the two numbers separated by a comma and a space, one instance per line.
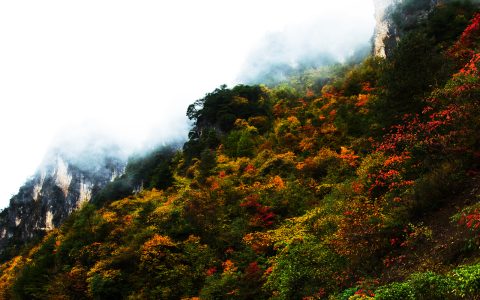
[132, 65]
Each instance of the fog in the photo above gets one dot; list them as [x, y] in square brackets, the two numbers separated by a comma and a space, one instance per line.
[313, 43]
[124, 72]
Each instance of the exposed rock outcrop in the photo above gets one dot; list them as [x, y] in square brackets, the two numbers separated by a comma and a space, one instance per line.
[384, 29]
[60, 186]
[387, 30]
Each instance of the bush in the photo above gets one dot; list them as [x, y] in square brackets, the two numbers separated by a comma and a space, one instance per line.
[431, 286]
[462, 283]
[467, 281]
[396, 291]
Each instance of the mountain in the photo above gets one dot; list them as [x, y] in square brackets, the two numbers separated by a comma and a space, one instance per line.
[61, 185]
[361, 182]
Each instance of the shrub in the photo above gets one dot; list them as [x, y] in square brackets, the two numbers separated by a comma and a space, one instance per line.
[430, 285]
[396, 291]
[467, 281]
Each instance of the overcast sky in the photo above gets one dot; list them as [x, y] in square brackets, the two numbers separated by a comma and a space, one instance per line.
[132, 67]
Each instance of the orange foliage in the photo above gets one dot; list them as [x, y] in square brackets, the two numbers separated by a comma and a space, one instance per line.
[229, 267]
[258, 241]
[159, 240]
[362, 100]
[278, 183]
[349, 156]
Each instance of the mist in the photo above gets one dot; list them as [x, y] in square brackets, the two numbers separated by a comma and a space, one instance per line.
[317, 43]
[118, 76]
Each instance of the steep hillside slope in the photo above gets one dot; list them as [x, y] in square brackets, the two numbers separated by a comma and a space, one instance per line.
[337, 188]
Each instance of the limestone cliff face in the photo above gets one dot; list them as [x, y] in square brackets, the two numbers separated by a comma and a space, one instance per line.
[384, 29]
[387, 32]
[60, 186]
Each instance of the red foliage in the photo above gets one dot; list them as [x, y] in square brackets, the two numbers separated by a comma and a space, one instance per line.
[472, 32]
[211, 271]
[385, 181]
[360, 232]
[263, 216]
[251, 201]
[357, 187]
[367, 88]
[364, 293]
[318, 295]
[391, 261]
[471, 220]
[250, 169]
[253, 271]
[464, 47]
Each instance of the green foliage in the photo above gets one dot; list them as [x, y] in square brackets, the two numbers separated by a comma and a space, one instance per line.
[302, 268]
[448, 21]
[431, 286]
[151, 170]
[293, 192]
[239, 143]
[396, 291]
[207, 163]
[221, 286]
[419, 62]
[368, 71]
[467, 281]
[438, 185]
[411, 72]
[216, 113]
[461, 283]
[31, 282]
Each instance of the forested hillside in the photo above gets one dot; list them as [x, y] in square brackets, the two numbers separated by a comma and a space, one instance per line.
[361, 181]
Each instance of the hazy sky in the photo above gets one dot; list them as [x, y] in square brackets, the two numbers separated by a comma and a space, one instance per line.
[132, 67]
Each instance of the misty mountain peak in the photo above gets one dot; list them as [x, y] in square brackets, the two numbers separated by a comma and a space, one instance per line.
[62, 184]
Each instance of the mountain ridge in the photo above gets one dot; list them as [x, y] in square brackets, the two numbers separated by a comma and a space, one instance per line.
[332, 188]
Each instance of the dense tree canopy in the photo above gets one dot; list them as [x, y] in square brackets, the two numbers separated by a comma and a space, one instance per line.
[329, 189]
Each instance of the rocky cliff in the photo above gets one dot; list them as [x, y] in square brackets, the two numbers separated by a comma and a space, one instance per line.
[383, 28]
[393, 17]
[60, 186]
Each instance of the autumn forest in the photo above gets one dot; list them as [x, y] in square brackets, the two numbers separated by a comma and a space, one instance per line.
[354, 181]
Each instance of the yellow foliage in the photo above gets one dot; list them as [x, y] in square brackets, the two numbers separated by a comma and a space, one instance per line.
[222, 159]
[287, 156]
[109, 216]
[258, 241]
[328, 128]
[144, 197]
[161, 213]
[241, 123]
[8, 272]
[294, 122]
